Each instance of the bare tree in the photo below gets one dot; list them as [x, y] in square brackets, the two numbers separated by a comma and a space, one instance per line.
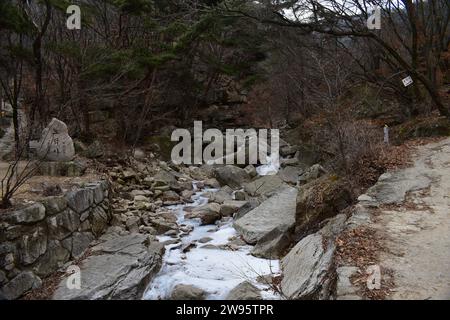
[413, 37]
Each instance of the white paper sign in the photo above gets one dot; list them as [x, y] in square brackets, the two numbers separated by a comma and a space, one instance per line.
[407, 81]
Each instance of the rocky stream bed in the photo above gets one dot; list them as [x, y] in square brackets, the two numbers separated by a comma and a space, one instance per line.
[208, 261]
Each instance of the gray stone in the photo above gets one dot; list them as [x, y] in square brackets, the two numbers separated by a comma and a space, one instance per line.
[314, 172]
[22, 283]
[244, 291]
[290, 174]
[80, 200]
[212, 183]
[187, 292]
[222, 195]
[31, 214]
[164, 177]
[132, 224]
[289, 162]
[55, 257]
[231, 176]
[3, 278]
[54, 205]
[288, 150]
[80, 243]
[7, 261]
[240, 195]
[277, 212]
[99, 220]
[138, 154]
[246, 208]
[205, 240]
[141, 198]
[32, 246]
[120, 267]
[230, 207]
[170, 196]
[85, 226]
[55, 143]
[208, 213]
[161, 225]
[307, 266]
[145, 193]
[63, 224]
[263, 186]
[392, 188]
[309, 155]
[321, 199]
[273, 244]
[97, 190]
[251, 171]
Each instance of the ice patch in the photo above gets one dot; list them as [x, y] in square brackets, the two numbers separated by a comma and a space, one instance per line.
[271, 168]
[216, 271]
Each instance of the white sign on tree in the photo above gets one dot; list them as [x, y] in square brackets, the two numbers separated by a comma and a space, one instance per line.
[407, 81]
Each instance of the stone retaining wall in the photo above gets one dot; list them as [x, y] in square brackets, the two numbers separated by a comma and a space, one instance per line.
[39, 239]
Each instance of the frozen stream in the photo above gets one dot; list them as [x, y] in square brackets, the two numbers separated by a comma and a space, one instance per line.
[216, 271]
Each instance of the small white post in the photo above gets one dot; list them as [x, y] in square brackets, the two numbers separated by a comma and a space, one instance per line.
[386, 134]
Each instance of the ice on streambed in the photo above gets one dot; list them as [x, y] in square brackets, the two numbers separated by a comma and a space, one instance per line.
[216, 271]
[272, 166]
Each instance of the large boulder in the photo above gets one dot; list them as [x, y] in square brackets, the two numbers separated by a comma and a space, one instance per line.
[120, 267]
[231, 176]
[321, 199]
[306, 268]
[55, 143]
[271, 220]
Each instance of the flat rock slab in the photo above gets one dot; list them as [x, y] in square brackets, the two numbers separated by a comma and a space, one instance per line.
[120, 267]
[307, 265]
[277, 212]
[392, 187]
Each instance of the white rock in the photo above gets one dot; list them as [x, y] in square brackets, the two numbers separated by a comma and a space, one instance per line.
[55, 143]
